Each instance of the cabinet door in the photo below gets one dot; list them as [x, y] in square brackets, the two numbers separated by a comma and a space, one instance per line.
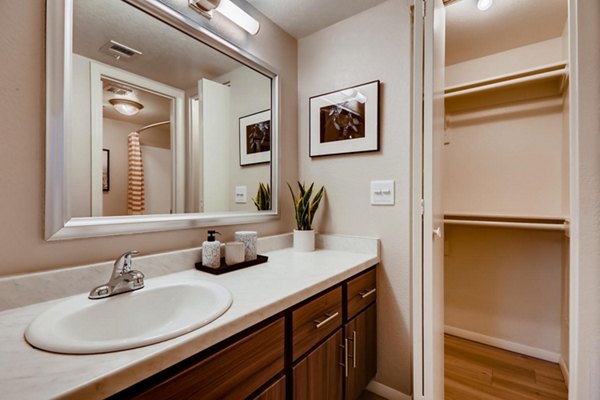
[274, 392]
[361, 333]
[319, 375]
[233, 373]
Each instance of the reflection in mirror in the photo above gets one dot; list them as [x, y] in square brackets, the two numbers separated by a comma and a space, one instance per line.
[187, 128]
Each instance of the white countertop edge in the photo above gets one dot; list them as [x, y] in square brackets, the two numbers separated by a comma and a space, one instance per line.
[135, 365]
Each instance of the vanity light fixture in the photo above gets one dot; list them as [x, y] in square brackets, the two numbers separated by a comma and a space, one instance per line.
[229, 10]
[125, 106]
[484, 5]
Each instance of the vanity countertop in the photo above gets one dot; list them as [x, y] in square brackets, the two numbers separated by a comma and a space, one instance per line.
[258, 293]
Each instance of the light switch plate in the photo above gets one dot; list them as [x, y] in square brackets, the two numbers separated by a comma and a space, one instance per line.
[240, 194]
[382, 193]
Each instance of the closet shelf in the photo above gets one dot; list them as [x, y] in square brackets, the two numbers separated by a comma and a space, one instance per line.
[502, 221]
[544, 81]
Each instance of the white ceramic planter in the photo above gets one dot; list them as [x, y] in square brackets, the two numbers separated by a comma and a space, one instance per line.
[304, 240]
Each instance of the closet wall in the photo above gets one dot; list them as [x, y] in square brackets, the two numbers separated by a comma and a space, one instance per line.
[506, 154]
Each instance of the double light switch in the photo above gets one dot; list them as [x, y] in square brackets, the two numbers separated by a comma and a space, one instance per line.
[382, 193]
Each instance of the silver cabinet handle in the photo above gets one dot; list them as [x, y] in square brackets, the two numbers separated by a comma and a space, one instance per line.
[326, 320]
[437, 232]
[344, 347]
[354, 349]
[367, 293]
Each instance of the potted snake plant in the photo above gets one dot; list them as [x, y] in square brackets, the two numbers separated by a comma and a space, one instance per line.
[262, 201]
[305, 206]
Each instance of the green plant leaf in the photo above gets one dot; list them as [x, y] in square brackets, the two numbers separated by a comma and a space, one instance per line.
[305, 208]
[263, 197]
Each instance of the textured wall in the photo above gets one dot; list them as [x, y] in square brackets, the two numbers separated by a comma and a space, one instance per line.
[505, 283]
[372, 45]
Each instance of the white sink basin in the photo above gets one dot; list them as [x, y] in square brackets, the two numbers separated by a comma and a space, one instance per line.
[146, 316]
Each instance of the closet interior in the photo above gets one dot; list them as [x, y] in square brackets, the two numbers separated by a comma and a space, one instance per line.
[506, 189]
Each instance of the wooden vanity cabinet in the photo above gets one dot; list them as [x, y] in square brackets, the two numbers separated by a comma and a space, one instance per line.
[318, 376]
[343, 365]
[362, 351]
[316, 320]
[235, 372]
[274, 392]
[360, 331]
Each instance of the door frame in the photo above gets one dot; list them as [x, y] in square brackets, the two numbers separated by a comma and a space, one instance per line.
[427, 210]
[578, 385]
[177, 123]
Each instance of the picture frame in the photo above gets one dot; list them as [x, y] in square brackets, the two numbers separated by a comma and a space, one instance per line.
[345, 121]
[255, 138]
[105, 170]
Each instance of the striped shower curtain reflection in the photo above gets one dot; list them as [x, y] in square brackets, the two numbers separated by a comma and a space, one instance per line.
[135, 184]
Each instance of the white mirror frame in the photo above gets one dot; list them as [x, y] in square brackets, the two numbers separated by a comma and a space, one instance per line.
[59, 222]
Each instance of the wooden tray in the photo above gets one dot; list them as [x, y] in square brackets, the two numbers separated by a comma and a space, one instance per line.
[224, 268]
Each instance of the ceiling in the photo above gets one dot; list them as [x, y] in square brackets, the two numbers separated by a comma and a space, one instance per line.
[169, 56]
[508, 24]
[156, 108]
[300, 18]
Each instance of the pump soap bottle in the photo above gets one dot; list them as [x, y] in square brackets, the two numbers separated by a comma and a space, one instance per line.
[211, 251]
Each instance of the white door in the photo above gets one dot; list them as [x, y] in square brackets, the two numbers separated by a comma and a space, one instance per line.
[428, 218]
[216, 137]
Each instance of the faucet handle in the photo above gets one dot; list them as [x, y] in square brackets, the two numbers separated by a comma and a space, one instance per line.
[123, 263]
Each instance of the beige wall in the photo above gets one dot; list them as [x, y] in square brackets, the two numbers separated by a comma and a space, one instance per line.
[372, 45]
[22, 154]
[114, 137]
[585, 200]
[505, 284]
[506, 62]
[250, 93]
[506, 160]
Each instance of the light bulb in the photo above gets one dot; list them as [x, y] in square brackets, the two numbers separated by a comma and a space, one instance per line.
[484, 5]
[125, 106]
[238, 16]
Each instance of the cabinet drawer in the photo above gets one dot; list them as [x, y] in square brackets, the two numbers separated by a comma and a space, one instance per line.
[361, 291]
[232, 373]
[316, 320]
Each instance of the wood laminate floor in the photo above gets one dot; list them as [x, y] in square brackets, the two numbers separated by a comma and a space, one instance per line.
[474, 371]
[366, 395]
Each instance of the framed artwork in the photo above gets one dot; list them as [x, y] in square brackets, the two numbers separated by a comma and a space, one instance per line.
[345, 121]
[105, 170]
[255, 138]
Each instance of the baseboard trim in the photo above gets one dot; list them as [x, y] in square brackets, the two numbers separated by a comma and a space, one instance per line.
[564, 369]
[504, 344]
[386, 392]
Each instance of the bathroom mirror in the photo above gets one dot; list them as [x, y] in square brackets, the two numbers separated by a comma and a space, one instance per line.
[153, 123]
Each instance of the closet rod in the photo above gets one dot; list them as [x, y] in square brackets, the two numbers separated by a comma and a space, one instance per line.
[153, 125]
[509, 82]
[502, 224]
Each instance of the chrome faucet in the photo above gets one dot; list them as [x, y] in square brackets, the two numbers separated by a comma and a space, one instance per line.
[123, 278]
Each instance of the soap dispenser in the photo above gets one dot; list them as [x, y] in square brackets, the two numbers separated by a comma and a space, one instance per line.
[211, 251]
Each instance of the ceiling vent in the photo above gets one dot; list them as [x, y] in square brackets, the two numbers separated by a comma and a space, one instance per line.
[117, 89]
[119, 51]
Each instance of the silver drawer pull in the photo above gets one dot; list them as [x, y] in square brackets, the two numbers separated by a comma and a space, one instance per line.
[354, 349]
[326, 320]
[367, 293]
